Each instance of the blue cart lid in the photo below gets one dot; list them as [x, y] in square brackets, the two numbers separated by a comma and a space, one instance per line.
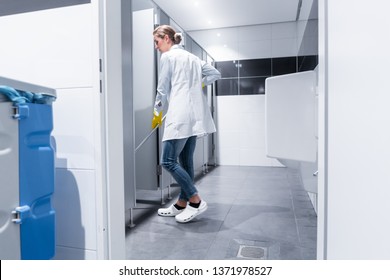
[46, 94]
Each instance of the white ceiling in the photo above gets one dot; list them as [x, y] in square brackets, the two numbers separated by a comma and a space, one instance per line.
[209, 14]
[243, 29]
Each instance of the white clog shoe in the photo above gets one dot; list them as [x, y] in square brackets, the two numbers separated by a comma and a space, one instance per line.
[190, 212]
[171, 211]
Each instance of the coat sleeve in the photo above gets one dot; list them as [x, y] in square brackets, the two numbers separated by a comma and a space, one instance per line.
[164, 84]
[210, 74]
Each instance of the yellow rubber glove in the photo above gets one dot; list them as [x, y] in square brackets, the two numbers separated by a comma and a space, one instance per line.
[157, 119]
[203, 85]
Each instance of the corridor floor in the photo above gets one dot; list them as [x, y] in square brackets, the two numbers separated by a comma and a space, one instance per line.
[253, 213]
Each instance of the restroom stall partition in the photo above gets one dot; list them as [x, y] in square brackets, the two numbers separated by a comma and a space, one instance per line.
[148, 187]
[144, 85]
[150, 184]
[204, 153]
[210, 155]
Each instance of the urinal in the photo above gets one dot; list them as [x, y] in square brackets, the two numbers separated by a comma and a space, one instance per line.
[291, 123]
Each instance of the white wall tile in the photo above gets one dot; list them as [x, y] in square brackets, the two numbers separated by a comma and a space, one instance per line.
[227, 108]
[252, 157]
[228, 157]
[74, 116]
[252, 139]
[224, 52]
[309, 46]
[41, 47]
[258, 49]
[251, 103]
[228, 139]
[284, 30]
[254, 33]
[250, 42]
[301, 26]
[308, 37]
[311, 28]
[284, 47]
[75, 206]
[251, 121]
[241, 139]
[67, 253]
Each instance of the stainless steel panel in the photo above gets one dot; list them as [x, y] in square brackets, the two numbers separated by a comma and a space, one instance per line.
[144, 92]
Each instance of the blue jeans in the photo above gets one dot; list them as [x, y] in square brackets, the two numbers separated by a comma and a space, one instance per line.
[183, 173]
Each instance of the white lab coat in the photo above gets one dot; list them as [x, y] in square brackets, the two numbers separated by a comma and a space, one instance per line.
[180, 85]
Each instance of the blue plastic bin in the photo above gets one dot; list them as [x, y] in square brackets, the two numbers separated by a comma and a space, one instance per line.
[34, 214]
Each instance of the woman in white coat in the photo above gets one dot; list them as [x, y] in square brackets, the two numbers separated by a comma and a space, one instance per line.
[181, 78]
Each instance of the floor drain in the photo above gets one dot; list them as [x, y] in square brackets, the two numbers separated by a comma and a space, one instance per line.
[253, 249]
[252, 252]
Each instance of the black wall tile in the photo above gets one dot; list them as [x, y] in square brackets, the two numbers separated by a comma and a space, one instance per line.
[252, 85]
[308, 62]
[228, 69]
[250, 78]
[227, 87]
[284, 65]
[255, 67]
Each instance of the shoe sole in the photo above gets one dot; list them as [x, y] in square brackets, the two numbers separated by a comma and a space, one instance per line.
[168, 215]
[167, 212]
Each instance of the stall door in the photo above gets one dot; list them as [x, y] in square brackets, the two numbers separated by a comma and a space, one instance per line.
[144, 90]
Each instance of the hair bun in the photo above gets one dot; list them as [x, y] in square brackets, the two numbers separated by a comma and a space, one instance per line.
[177, 38]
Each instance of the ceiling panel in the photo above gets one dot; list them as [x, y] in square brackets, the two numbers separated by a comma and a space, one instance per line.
[209, 14]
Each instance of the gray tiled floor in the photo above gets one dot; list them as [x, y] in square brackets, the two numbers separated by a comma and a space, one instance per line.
[263, 210]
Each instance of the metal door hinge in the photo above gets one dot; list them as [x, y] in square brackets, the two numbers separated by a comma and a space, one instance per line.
[159, 170]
